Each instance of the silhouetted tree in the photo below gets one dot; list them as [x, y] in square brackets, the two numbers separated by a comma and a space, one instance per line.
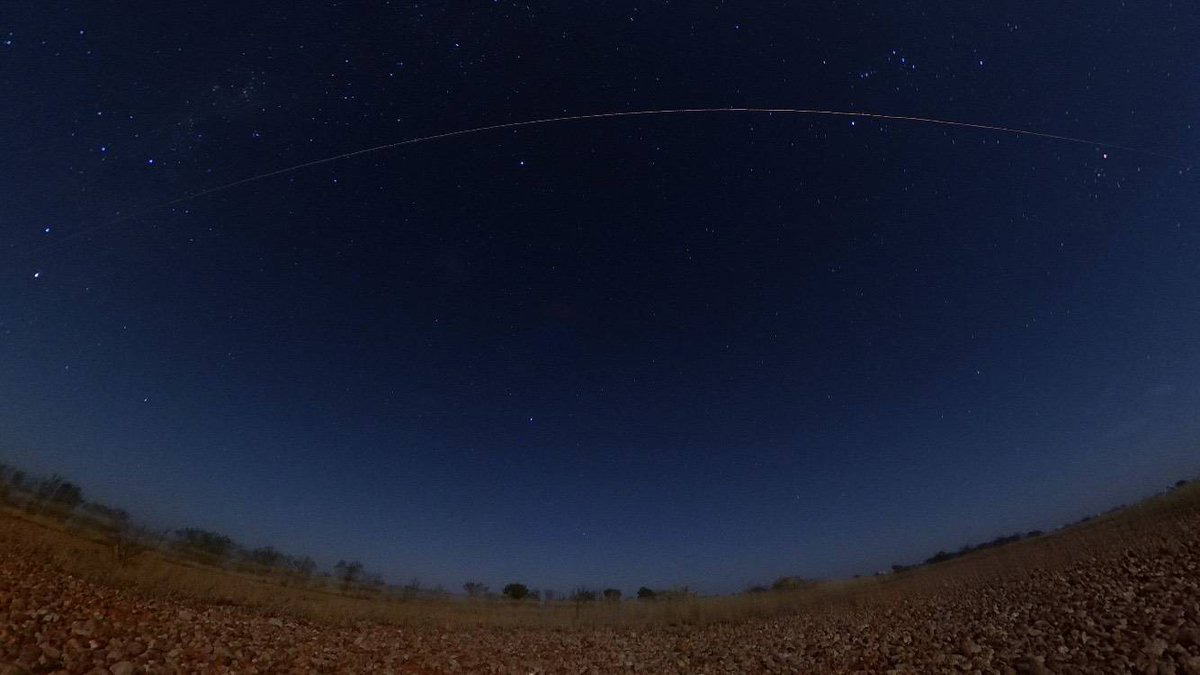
[646, 593]
[204, 541]
[55, 490]
[516, 591]
[583, 595]
[475, 589]
[266, 556]
[791, 583]
[940, 556]
[348, 572]
[612, 594]
[303, 566]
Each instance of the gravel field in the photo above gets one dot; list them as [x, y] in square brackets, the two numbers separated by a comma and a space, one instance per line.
[1134, 607]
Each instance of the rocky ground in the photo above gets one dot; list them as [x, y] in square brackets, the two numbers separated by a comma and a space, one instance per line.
[1134, 608]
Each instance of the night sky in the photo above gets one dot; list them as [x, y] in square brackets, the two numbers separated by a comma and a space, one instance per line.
[705, 349]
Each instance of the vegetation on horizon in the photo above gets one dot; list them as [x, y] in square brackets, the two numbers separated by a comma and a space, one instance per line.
[64, 501]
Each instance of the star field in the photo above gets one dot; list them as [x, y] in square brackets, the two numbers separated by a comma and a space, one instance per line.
[692, 349]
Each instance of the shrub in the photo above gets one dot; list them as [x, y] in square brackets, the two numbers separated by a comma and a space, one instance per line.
[516, 591]
[204, 542]
[940, 556]
[612, 594]
[266, 556]
[475, 589]
[583, 595]
[303, 565]
[791, 584]
[65, 494]
[646, 593]
[348, 572]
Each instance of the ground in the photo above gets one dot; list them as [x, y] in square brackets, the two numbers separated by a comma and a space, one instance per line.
[1119, 596]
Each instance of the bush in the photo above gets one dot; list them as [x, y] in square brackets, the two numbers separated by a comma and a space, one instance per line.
[58, 492]
[475, 589]
[303, 566]
[583, 595]
[205, 542]
[940, 556]
[646, 593]
[612, 594]
[348, 572]
[791, 584]
[266, 556]
[516, 591]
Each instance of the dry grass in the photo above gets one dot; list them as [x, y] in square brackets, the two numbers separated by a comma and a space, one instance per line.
[88, 552]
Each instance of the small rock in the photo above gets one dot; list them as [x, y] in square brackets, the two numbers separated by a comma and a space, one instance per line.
[275, 621]
[53, 653]
[1188, 637]
[121, 668]
[1155, 648]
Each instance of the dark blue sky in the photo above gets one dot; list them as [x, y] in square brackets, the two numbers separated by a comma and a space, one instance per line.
[707, 349]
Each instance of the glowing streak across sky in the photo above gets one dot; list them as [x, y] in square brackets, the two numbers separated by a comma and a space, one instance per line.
[598, 116]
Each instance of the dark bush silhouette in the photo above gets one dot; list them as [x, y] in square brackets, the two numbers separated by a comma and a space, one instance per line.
[348, 572]
[940, 556]
[58, 492]
[583, 595]
[646, 593]
[475, 589]
[1033, 533]
[792, 584]
[516, 591]
[753, 590]
[204, 542]
[266, 556]
[303, 566]
[612, 594]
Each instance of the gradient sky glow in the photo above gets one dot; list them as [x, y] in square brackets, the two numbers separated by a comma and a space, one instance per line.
[705, 350]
